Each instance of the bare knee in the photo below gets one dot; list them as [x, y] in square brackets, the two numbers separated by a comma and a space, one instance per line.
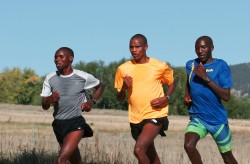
[189, 148]
[138, 150]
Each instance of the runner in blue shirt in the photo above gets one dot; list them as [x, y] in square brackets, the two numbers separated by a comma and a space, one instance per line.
[208, 82]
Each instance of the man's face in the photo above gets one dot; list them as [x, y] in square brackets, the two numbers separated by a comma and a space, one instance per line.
[62, 60]
[138, 49]
[203, 49]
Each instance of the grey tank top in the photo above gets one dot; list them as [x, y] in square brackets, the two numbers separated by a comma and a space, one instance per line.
[72, 92]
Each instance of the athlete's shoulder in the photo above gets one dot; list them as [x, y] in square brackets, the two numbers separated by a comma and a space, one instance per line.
[81, 73]
[154, 61]
[220, 62]
[191, 62]
[126, 64]
[50, 75]
[129, 62]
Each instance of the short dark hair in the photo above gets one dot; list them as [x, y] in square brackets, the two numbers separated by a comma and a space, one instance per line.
[141, 37]
[208, 38]
[69, 50]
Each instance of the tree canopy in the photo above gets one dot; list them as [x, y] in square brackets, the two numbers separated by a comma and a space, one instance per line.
[24, 87]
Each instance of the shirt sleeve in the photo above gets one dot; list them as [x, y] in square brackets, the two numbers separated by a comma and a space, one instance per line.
[168, 75]
[91, 81]
[46, 90]
[225, 78]
[118, 80]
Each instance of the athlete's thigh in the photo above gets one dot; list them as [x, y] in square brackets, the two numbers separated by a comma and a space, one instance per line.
[198, 127]
[195, 131]
[222, 136]
[71, 142]
[148, 134]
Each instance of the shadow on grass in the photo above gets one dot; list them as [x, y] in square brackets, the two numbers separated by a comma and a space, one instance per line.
[34, 157]
[29, 157]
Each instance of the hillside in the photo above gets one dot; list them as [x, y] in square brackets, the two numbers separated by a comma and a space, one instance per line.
[241, 79]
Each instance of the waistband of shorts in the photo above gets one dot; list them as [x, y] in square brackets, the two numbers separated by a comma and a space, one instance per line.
[68, 120]
[162, 119]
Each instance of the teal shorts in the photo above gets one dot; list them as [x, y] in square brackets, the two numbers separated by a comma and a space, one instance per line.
[220, 133]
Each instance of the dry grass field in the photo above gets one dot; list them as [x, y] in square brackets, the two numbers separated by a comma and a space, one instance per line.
[28, 129]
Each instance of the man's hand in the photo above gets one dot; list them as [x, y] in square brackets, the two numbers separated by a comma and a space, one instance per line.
[159, 102]
[200, 71]
[187, 101]
[87, 106]
[54, 97]
[128, 82]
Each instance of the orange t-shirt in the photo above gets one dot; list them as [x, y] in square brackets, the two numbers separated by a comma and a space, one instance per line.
[148, 80]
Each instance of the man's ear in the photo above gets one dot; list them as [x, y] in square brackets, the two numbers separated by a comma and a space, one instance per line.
[71, 58]
[146, 47]
[212, 47]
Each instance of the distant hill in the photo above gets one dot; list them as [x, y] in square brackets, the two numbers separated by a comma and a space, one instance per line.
[241, 79]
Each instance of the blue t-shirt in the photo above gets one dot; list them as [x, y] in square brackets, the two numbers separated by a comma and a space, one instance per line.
[206, 105]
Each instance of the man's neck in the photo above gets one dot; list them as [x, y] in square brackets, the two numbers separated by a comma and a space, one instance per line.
[67, 71]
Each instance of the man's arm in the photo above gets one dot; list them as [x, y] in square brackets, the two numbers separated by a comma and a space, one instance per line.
[187, 97]
[170, 90]
[223, 93]
[99, 89]
[161, 102]
[47, 101]
[121, 95]
[128, 81]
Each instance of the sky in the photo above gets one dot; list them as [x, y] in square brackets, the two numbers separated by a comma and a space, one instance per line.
[31, 31]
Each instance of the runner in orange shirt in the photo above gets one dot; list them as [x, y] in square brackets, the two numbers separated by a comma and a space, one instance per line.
[143, 79]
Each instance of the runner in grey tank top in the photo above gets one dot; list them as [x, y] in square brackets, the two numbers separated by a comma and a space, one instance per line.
[71, 92]
[65, 90]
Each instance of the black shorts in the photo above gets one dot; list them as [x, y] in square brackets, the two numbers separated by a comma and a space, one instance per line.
[136, 129]
[63, 127]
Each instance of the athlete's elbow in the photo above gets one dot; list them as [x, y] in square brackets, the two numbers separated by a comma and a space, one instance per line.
[45, 107]
[120, 98]
[226, 98]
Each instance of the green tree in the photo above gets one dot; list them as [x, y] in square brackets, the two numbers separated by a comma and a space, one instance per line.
[30, 87]
[109, 96]
[106, 74]
[238, 108]
[176, 104]
[10, 84]
[24, 87]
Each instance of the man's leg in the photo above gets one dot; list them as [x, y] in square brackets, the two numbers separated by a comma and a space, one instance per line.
[76, 157]
[223, 138]
[152, 154]
[191, 140]
[145, 144]
[69, 149]
[229, 158]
